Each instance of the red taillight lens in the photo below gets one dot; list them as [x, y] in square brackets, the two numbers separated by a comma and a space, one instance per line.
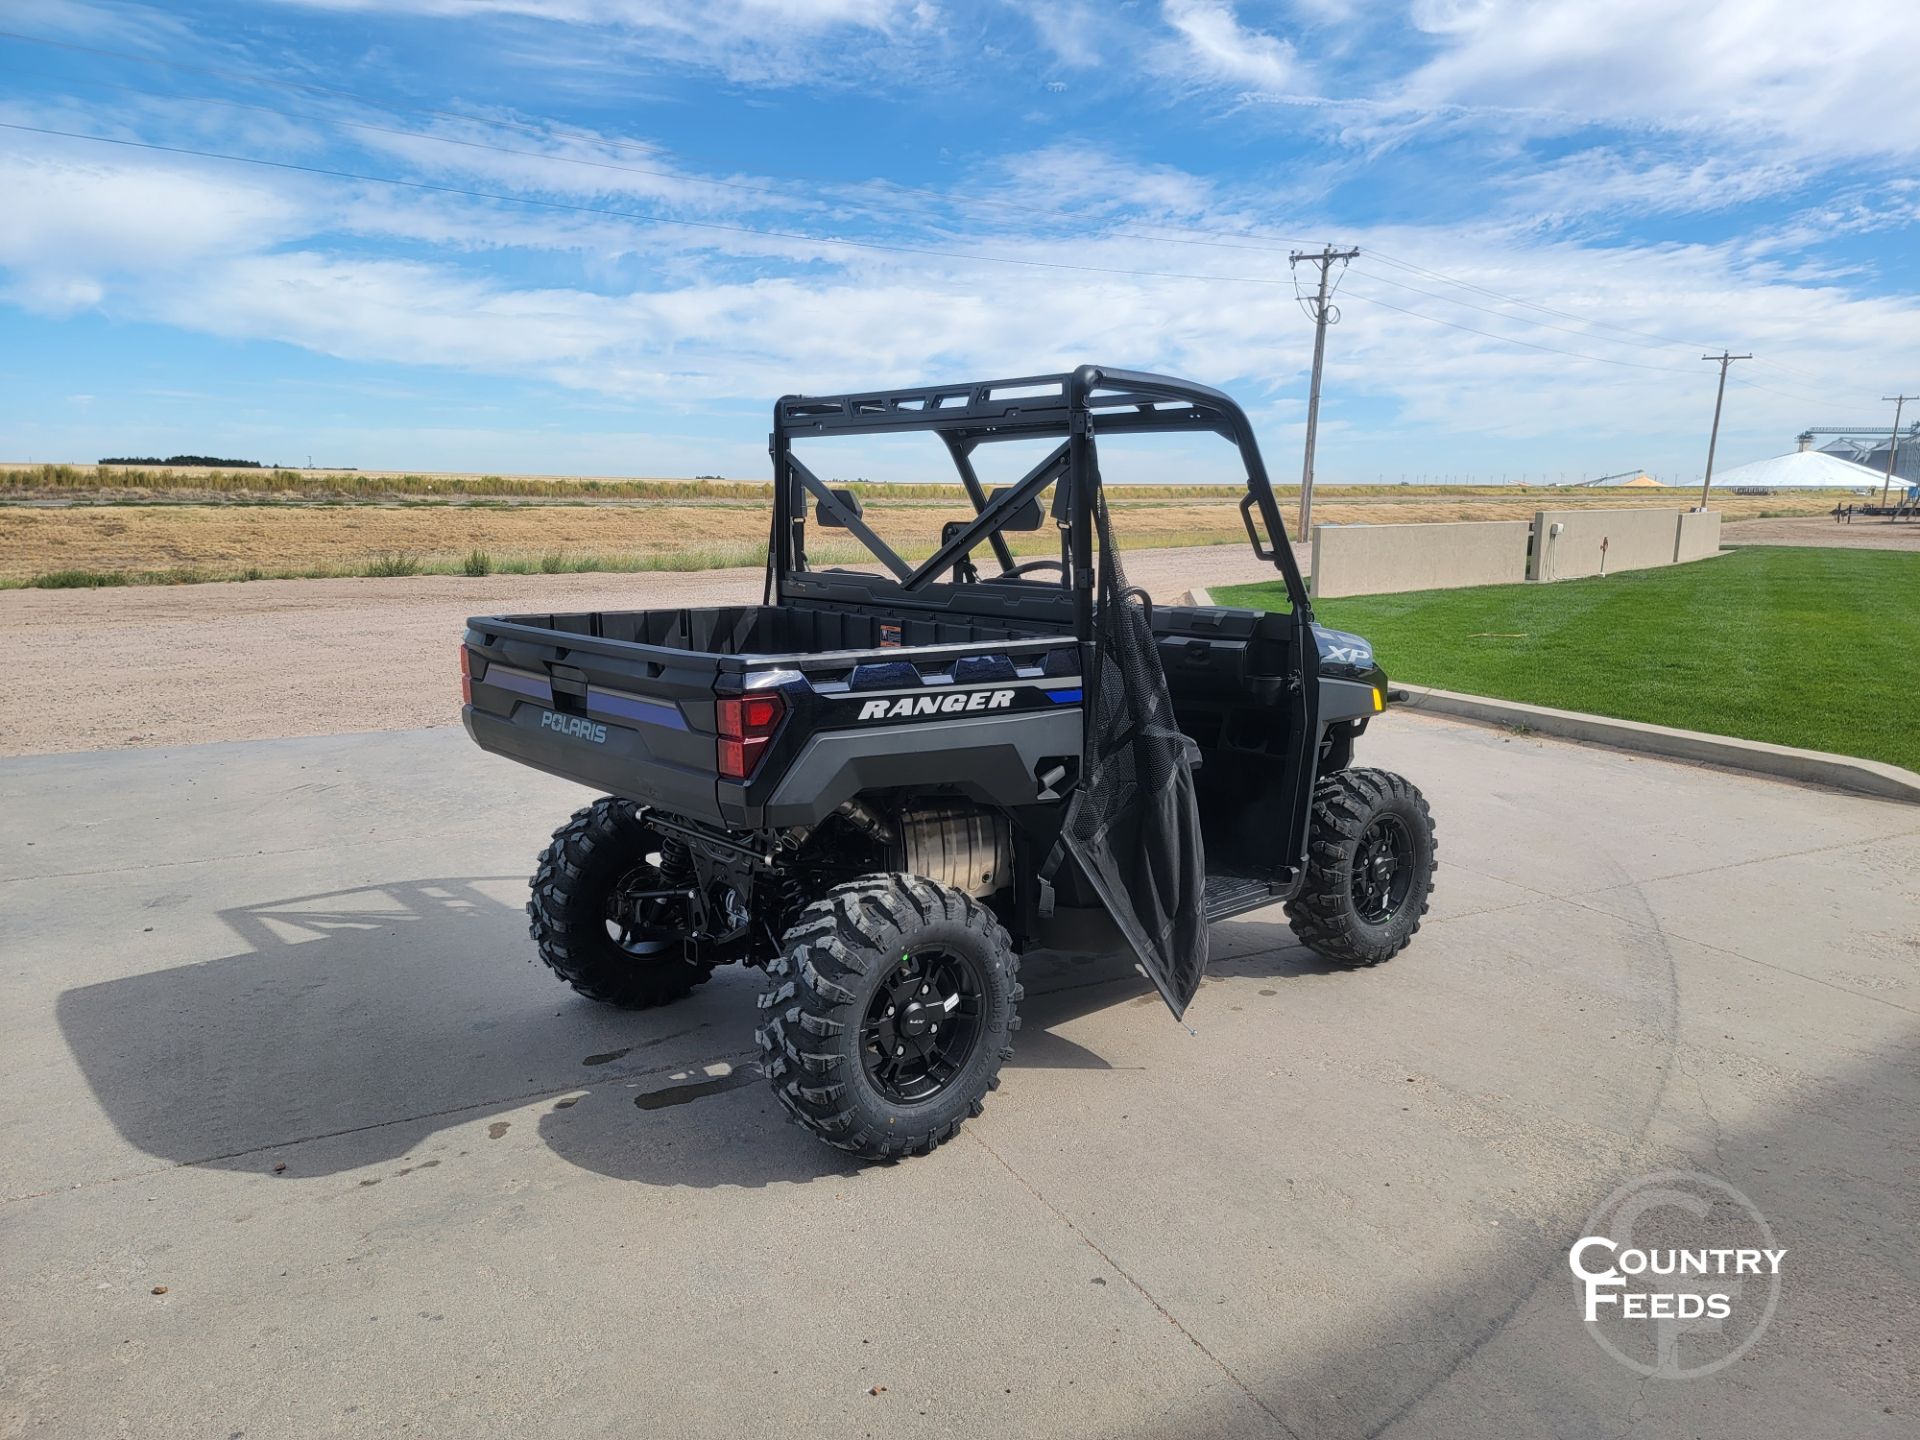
[751, 717]
[466, 676]
[746, 723]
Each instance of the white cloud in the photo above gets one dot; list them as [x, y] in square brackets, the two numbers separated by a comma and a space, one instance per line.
[120, 25]
[572, 164]
[671, 15]
[1070, 29]
[71, 226]
[1823, 80]
[630, 311]
[1079, 182]
[1215, 48]
[865, 317]
[1608, 181]
[753, 41]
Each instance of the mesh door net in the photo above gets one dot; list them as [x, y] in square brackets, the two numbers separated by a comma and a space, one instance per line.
[1134, 824]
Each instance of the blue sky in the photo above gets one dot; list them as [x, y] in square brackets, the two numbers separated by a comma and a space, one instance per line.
[669, 213]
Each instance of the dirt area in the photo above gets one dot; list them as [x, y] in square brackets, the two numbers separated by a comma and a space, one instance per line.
[1823, 530]
[227, 539]
[185, 664]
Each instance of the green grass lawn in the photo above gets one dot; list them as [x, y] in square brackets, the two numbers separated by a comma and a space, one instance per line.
[1817, 648]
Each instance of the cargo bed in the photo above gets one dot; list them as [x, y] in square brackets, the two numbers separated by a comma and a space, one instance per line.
[630, 703]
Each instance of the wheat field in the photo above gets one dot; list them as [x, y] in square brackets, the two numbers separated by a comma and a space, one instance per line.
[59, 521]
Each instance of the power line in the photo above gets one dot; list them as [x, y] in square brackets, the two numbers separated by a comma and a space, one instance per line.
[1214, 238]
[471, 194]
[1664, 340]
[875, 245]
[1656, 340]
[1510, 340]
[1488, 310]
[341, 121]
[1450, 300]
[1798, 399]
[724, 227]
[228, 73]
[680, 176]
[1805, 376]
[548, 129]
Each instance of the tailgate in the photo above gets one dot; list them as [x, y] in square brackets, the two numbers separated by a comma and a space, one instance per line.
[623, 719]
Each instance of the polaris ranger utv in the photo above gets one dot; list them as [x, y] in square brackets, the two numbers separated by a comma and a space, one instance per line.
[883, 785]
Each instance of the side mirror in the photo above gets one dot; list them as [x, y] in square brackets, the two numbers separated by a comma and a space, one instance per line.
[847, 500]
[1027, 517]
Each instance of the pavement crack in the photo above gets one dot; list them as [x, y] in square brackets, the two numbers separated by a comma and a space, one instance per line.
[1636, 1411]
[1742, 957]
[163, 864]
[1713, 1120]
[1871, 840]
[1576, 899]
[1144, 1293]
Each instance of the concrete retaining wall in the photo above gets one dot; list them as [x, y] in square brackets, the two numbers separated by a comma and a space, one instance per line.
[1383, 559]
[1635, 540]
[1699, 536]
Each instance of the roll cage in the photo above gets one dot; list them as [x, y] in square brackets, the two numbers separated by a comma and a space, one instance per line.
[1076, 407]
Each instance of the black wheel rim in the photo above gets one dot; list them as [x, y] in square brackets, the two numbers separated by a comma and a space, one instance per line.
[1382, 869]
[922, 1025]
[643, 921]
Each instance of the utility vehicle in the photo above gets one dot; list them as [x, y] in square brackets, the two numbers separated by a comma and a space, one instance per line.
[883, 784]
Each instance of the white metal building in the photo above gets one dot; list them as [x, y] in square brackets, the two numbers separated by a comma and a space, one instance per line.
[1800, 470]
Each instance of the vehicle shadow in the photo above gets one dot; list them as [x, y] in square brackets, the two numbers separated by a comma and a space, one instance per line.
[374, 1018]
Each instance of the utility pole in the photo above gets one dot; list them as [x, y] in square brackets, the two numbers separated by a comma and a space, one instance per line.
[1714, 441]
[1323, 315]
[1893, 444]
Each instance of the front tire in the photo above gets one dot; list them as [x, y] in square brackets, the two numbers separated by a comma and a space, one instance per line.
[1370, 864]
[590, 933]
[893, 1007]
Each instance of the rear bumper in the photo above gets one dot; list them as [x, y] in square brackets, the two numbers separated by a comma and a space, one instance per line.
[995, 759]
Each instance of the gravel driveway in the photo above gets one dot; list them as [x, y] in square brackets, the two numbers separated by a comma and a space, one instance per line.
[181, 665]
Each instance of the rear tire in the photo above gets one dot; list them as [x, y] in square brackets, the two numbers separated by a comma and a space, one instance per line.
[867, 981]
[585, 936]
[1370, 864]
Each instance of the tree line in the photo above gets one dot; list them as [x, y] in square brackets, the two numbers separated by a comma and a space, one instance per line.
[202, 460]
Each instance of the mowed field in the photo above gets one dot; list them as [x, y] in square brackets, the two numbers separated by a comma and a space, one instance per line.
[175, 525]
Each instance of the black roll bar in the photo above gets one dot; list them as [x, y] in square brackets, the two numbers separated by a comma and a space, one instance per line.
[989, 520]
[963, 462]
[830, 502]
[1075, 407]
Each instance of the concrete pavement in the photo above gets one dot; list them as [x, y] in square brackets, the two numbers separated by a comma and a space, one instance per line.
[1342, 1207]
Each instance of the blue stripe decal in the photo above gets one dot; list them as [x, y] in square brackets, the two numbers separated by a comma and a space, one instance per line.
[1064, 697]
[519, 682]
[632, 707]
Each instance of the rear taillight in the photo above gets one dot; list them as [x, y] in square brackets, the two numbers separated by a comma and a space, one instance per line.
[747, 722]
[466, 676]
